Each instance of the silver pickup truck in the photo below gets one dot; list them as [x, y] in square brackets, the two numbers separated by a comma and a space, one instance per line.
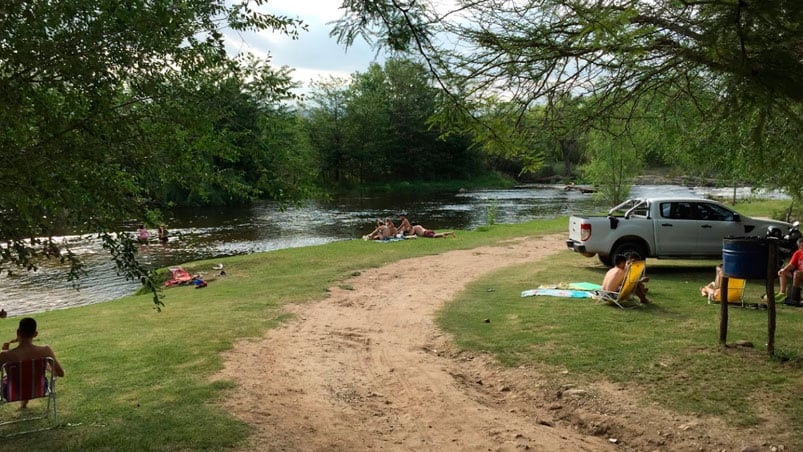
[676, 228]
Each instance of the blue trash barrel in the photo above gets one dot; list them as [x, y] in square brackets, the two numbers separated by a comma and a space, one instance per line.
[745, 257]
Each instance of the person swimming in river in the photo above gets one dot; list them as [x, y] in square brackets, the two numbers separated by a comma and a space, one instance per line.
[142, 234]
[162, 234]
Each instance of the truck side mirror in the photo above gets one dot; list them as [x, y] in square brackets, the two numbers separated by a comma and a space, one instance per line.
[737, 218]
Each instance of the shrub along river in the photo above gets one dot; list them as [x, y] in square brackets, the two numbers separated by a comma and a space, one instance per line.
[216, 232]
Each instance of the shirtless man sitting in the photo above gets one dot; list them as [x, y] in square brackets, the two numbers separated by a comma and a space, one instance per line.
[26, 350]
[614, 277]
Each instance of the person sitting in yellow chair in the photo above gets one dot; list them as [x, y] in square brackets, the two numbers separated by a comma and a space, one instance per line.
[614, 277]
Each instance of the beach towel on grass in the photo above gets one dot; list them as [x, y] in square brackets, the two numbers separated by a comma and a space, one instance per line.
[570, 290]
[392, 239]
[584, 286]
[565, 293]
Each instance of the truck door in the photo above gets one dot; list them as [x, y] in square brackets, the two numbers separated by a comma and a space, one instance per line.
[715, 223]
[676, 229]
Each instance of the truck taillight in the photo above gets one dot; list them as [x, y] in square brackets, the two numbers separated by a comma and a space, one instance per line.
[585, 232]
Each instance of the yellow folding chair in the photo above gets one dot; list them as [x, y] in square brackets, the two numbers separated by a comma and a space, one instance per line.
[634, 271]
[735, 292]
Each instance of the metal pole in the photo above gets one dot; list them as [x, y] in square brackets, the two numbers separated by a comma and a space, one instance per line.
[772, 249]
[723, 311]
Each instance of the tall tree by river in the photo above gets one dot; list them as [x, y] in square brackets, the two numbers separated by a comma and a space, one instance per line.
[102, 102]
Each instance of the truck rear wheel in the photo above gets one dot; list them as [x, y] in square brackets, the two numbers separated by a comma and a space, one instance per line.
[606, 260]
[626, 248]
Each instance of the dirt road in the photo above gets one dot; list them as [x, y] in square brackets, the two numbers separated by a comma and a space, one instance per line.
[367, 369]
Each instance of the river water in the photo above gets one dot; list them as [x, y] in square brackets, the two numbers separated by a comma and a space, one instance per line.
[215, 232]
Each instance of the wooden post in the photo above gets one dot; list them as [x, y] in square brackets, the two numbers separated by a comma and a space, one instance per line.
[723, 310]
[772, 249]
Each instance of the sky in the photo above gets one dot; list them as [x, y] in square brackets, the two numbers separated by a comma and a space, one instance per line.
[314, 55]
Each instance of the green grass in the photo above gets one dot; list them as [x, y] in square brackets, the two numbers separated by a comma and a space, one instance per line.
[668, 349]
[137, 379]
[775, 208]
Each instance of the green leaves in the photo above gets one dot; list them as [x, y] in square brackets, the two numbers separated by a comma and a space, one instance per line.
[734, 63]
[377, 128]
[110, 109]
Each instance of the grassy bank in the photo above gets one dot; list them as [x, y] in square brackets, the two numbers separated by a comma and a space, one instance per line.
[669, 349]
[140, 380]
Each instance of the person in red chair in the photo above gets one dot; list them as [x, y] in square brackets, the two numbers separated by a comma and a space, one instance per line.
[26, 350]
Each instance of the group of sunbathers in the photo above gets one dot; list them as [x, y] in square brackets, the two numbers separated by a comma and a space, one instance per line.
[387, 230]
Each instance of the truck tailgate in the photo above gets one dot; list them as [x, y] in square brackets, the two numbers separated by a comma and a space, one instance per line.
[574, 228]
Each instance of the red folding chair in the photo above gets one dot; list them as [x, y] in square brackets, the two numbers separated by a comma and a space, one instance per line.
[28, 380]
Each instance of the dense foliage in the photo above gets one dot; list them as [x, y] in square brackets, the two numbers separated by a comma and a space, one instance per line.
[376, 128]
[738, 65]
[110, 108]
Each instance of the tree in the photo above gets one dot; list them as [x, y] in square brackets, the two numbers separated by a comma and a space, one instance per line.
[87, 90]
[614, 53]
[613, 163]
[378, 128]
[327, 125]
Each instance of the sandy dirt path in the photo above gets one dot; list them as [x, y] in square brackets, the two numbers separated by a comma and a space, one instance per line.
[367, 369]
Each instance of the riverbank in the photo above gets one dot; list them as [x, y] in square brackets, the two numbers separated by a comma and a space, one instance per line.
[135, 376]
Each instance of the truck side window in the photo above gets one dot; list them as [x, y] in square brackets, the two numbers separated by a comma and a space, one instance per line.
[666, 209]
[704, 213]
[714, 212]
[682, 211]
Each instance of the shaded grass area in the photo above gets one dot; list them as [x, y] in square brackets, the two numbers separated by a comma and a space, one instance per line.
[668, 349]
[137, 379]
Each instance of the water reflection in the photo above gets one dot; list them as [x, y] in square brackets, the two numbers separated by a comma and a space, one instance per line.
[214, 232]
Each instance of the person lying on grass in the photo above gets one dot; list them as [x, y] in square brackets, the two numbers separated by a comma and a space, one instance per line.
[421, 231]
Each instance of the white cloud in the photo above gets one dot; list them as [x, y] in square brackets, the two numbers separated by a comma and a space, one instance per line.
[314, 54]
[319, 10]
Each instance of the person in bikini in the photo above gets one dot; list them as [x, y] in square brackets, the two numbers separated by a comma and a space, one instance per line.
[26, 350]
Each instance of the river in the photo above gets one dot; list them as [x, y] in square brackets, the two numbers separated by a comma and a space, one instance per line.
[216, 232]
